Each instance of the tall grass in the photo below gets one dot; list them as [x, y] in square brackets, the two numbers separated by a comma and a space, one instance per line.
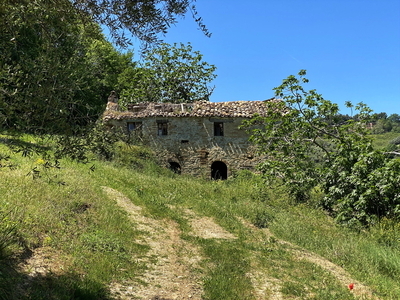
[8, 237]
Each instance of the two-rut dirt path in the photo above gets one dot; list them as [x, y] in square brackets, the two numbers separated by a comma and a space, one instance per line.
[173, 275]
[173, 264]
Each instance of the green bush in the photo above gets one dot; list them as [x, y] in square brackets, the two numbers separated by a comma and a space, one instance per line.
[262, 218]
[365, 191]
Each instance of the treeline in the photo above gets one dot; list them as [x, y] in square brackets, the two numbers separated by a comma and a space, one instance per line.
[383, 123]
[378, 122]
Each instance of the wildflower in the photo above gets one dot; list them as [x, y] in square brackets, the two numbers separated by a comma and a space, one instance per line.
[40, 161]
[351, 286]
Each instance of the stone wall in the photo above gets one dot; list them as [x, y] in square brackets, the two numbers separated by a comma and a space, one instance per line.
[191, 143]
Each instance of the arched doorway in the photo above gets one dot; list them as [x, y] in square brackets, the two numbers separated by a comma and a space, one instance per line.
[219, 170]
[175, 167]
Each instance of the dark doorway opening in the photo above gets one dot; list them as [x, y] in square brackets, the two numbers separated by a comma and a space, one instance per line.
[219, 170]
[175, 167]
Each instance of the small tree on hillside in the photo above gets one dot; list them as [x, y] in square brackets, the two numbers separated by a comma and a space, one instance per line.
[308, 146]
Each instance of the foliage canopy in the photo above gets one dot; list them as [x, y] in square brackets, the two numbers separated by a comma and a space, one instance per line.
[144, 19]
[57, 69]
[171, 74]
[308, 145]
[55, 72]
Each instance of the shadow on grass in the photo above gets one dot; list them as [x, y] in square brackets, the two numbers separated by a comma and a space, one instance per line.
[17, 145]
[16, 284]
[68, 286]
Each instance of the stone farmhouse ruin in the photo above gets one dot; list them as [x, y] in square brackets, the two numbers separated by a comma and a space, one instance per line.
[201, 138]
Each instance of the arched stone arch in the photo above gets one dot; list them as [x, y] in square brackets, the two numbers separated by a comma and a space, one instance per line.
[219, 170]
[175, 167]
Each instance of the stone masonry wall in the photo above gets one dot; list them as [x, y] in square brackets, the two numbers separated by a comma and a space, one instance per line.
[191, 143]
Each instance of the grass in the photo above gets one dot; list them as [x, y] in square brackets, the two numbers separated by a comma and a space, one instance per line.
[62, 207]
[381, 141]
[358, 252]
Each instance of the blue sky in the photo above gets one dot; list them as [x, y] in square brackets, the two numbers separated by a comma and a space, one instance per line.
[350, 48]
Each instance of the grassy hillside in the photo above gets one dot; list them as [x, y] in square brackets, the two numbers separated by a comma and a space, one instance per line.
[381, 141]
[129, 229]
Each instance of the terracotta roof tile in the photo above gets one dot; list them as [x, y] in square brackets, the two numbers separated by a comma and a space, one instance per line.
[243, 109]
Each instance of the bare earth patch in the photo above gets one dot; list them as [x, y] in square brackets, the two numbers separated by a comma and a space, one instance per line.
[36, 266]
[360, 290]
[206, 228]
[265, 288]
[41, 262]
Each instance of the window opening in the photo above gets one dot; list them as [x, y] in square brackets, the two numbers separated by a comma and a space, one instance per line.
[219, 171]
[162, 128]
[134, 126]
[218, 129]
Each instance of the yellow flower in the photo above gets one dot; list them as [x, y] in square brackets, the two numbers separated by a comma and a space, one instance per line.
[40, 161]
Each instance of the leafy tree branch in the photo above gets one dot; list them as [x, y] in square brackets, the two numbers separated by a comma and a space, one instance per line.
[308, 145]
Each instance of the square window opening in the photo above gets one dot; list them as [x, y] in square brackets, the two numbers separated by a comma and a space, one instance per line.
[218, 129]
[162, 128]
[134, 127]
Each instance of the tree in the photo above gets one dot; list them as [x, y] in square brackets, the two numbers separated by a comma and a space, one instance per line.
[55, 73]
[307, 147]
[145, 19]
[171, 74]
[107, 69]
[382, 126]
[394, 118]
[39, 65]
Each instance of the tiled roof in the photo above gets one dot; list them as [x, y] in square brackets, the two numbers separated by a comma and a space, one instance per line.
[243, 109]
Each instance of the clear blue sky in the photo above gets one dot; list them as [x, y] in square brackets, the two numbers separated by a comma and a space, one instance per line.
[350, 48]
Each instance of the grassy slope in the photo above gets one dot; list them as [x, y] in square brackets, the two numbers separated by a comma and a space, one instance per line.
[66, 212]
[381, 141]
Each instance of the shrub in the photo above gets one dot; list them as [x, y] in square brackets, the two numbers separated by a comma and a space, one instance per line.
[131, 155]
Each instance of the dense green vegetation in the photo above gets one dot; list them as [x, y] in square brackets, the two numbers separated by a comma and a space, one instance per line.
[55, 73]
[171, 74]
[60, 208]
[309, 146]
